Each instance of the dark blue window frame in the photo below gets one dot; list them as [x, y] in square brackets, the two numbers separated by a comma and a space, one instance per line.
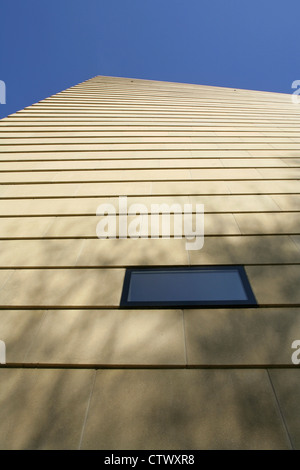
[126, 302]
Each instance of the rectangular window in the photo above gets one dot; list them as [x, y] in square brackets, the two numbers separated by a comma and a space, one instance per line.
[187, 287]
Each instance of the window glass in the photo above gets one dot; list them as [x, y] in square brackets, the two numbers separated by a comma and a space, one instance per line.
[185, 286]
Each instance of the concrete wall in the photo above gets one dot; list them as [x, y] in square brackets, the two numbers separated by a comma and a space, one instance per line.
[81, 372]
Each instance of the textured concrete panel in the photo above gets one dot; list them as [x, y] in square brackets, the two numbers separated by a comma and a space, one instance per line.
[62, 287]
[43, 409]
[287, 388]
[18, 330]
[184, 409]
[241, 336]
[275, 284]
[109, 337]
[246, 250]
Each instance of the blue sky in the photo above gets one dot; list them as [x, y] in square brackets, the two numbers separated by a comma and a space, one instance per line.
[47, 46]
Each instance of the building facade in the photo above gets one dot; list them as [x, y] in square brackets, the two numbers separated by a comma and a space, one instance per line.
[80, 370]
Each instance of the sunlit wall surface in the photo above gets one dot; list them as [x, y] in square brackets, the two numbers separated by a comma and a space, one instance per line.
[98, 376]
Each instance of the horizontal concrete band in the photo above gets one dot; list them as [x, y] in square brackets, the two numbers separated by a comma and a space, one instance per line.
[82, 252]
[149, 188]
[185, 223]
[79, 287]
[114, 127]
[88, 205]
[140, 175]
[92, 409]
[144, 146]
[197, 338]
[144, 154]
[42, 168]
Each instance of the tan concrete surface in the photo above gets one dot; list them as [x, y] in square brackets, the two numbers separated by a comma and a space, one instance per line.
[236, 152]
[263, 187]
[286, 385]
[226, 174]
[296, 240]
[40, 253]
[275, 284]
[236, 203]
[96, 175]
[18, 329]
[48, 408]
[18, 227]
[129, 252]
[62, 287]
[139, 337]
[245, 250]
[279, 223]
[241, 336]
[76, 205]
[40, 190]
[287, 202]
[82, 206]
[85, 226]
[194, 187]
[184, 409]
